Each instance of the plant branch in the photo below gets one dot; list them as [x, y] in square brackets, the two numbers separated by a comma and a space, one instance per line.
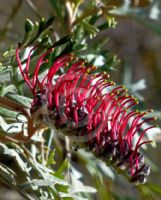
[10, 19]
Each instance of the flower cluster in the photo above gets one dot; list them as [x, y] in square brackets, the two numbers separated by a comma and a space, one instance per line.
[86, 104]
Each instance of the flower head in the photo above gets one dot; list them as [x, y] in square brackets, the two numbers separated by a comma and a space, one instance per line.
[87, 105]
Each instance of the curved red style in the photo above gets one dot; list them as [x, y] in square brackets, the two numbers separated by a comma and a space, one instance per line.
[85, 103]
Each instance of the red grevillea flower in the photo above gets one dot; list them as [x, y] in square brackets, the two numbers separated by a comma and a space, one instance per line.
[86, 104]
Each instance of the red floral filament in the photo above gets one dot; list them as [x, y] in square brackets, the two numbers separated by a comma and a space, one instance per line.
[85, 103]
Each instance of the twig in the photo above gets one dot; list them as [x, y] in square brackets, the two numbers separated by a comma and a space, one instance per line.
[69, 16]
[10, 19]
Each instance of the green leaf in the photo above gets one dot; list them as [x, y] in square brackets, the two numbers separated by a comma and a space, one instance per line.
[51, 160]
[49, 22]
[8, 113]
[10, 128]
[7, 174]
[42, 182]
[62, 168]
[22, 100]
[55, 193]
[149, 16]
[29, 26]
[45, 24]
[110, 23]
[9, 53]
[6, 89]
[154, 188]
[36, 32]
[62, 41]
[92, 30]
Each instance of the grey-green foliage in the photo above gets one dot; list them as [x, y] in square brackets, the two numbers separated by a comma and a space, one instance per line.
[149, 16]
[25, 174]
